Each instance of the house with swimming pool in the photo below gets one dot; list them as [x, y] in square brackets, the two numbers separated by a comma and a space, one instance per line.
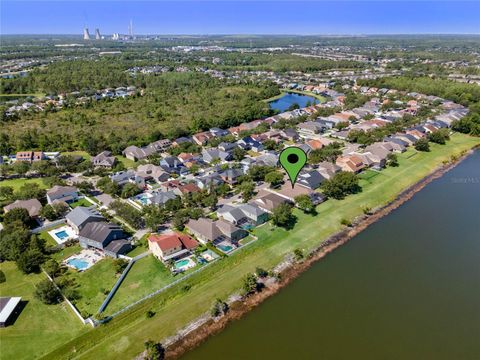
[103, 236]
[171, 246]
[206, 230]
[81, 216]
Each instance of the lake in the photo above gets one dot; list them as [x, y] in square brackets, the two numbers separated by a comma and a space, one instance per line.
[408, 287]
[282, 104]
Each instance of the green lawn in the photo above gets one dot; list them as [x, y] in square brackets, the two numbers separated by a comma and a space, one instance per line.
[124, 335]
[92, 284]
[83, 154]
[81, 202]
[146, 275]
[50, 241]
[126, 162]
[39, 328]
[17, 183]
[66, 252]
[137, 250]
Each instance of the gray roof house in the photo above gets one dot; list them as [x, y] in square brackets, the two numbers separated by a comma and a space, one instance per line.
[104, 159]
[243, 213]
[208, 230]
[80, 216]
[67, 194]
[160, 198]
[33, 206]
[122, 177]
[135, 153]
[104, 236]
[210, 155]
[310, 179]
[328, 169]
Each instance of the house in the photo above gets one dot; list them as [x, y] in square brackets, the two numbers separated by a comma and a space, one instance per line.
[122, 177]
[186, 189]
[208, 181]
[150, 172]
[202, 138]
[135, 153]
[213, 154]
[269, 159]
[104, 159]
[249, 143]
[217, 132]
[310, 128]
[80, 216]
[290, 134]
[231, 176]
[104, 236]
[30, 156]
[33, 207]
[350, 163]
[8, 306]
[169, 246]
[66, 194]
[269, 201]
[243, 213]
[160, 145]
[161, 197]
[328, 169]
[206, 230]
[226, 146]
[172, 164]
[310, 179]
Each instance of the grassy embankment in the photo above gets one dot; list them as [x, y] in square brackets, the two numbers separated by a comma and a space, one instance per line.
[124, 335]
[179, 305]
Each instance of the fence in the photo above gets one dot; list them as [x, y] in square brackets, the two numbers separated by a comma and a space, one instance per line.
[48, 226]
[74, 309]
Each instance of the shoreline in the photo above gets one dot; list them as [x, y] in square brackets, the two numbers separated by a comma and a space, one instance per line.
[200, 331]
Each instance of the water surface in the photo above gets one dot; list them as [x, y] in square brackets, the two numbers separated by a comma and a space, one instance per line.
[408, 287]
[283, 103]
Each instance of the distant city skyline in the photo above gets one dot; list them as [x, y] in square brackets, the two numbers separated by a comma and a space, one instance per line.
[241, 17]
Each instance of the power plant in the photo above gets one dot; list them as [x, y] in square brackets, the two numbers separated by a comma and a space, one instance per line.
[97, 34]
[86, 34]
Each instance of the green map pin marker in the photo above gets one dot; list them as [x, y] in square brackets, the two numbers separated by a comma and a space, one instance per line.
[293, 159]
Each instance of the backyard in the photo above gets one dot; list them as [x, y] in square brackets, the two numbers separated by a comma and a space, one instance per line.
[39, 327]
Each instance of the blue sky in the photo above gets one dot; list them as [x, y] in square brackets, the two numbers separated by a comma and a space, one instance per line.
[241, 17]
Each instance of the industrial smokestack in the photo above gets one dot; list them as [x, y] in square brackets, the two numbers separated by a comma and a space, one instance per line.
[86, 34]
[97, 34]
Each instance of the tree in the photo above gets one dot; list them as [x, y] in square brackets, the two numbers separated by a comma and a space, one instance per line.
[120, 265]
[6, 192]
[52, 267]
[250, 284]
[219, 308]
[422, 145]
[392, 160]
[60, 208]
[247, 189]
[341, 185]
[154, 216]
[47, 292]
[439, 137]
[20, 167]
[305, 203]
[49, 212]
[17, 215]
[261, 273]
[328, 153]
[30, 191]
[3, 278]
[258, 172]
[129, 190]
[282, 216]
[108, 186]
[274, 177]
[238, 153]
[154, 351]
[30, 261]
[298, 253]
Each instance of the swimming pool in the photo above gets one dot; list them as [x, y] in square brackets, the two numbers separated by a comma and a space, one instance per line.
[184, 264]
[78, 264]
[62, 235]
[225, 248]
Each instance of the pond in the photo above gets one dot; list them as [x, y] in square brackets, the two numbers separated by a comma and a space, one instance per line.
[282, 104]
